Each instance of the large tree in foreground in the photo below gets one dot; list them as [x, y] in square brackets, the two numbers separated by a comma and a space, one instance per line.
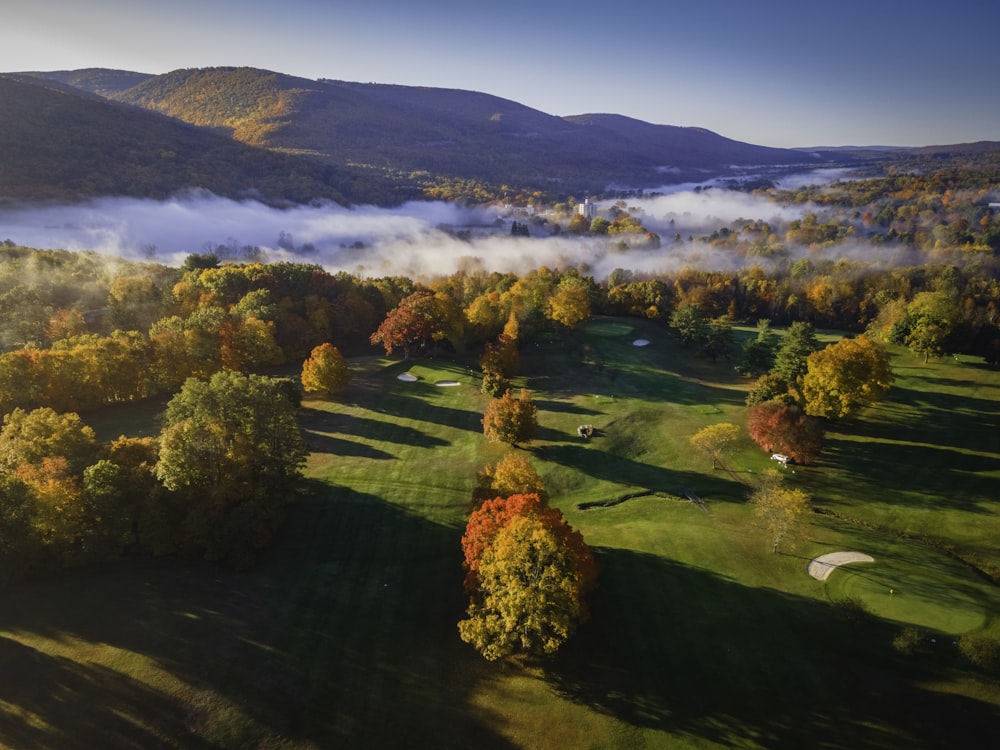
[845, 377]
[232, 449]
[528, 574]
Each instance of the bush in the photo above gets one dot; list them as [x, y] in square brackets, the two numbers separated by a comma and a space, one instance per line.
[909, 641]
[981, 650]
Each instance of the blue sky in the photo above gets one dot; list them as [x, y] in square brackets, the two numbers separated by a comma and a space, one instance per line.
[771, 72]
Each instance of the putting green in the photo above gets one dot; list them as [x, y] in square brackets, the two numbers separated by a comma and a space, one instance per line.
[605, 327]
[926, 596]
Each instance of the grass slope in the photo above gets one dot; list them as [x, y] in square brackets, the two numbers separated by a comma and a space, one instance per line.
[346, 637]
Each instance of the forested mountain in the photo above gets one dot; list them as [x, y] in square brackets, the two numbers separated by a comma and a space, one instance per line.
[58, 142]
[427, 136]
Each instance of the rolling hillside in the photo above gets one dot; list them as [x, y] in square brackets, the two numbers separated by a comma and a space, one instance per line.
[432, 133]
[58, 142]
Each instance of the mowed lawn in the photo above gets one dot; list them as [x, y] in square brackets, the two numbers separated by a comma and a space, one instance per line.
[345, 635]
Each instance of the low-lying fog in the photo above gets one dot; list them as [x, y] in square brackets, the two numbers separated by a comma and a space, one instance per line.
[417, 239]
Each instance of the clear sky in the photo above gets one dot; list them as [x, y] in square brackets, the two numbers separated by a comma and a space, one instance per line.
[770, 72]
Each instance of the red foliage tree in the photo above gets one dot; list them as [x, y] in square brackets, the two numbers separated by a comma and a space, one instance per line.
[495, 514]
[784, 428]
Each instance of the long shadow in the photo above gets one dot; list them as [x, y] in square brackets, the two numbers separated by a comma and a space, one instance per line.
[626, 471]
[564, 407]
[400, 405]
[935, 418]
[318, 422]
[682, 650]
[944, 477]
[345, 636]
[317, 443]
[112, 709]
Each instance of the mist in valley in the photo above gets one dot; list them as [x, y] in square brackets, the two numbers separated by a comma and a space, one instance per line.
[418, 239]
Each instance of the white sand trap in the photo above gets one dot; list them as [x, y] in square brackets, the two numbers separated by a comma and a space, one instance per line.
[446, 383]
[640, 342]
[821, 567]
[408, 377]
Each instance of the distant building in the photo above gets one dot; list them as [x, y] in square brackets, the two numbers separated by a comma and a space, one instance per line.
[587, 209]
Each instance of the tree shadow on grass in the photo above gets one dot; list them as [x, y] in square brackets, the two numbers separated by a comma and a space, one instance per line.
[109, 709]
[319, 422]
[345, 636]
[631, 473]
[940, 476]
[684, 651]
[934, 418]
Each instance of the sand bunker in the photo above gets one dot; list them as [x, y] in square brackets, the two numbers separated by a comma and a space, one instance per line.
[446, 383]
[640, 342]
[821, 567]
[407, 377]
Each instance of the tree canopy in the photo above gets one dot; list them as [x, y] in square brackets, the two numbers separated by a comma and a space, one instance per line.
[529, 572]
[845, 377]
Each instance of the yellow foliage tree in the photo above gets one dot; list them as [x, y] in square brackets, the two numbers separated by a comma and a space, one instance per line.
[715, 440]
[530, 595]
[845, 377]
[326, 370]
[782, 511]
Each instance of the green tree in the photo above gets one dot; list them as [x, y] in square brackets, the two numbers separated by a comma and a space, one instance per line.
[758, 353]
[799, 342]
[690, 323]
[326, 370]
[845, 377]
[926, 324]
[511, 420]
[232, 448]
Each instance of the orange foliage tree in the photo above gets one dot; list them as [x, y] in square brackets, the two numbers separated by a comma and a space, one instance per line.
[784, 428]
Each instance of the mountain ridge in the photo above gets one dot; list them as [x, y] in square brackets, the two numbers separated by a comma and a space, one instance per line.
[388, 142]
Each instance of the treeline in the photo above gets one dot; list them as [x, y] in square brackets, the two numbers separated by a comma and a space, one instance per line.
[81, 332]
[214, 483]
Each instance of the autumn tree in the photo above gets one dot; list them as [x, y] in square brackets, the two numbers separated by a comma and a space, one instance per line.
[715, 441]
[29, 437]
[784, 428]
[782, 511]
[512, 475]
[326, 370]
[569, 304]
[511, 420]
[528, 574]
[845, 377]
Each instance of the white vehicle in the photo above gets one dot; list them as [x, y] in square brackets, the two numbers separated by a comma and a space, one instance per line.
[782, 459]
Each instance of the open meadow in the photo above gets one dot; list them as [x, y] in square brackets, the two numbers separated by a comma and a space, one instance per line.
[345, 635]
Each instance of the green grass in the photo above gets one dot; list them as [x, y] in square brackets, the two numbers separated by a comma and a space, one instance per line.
[345, 636]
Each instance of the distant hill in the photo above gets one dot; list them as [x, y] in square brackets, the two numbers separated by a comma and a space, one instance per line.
[58, 142]
[246, 131]
[445, 132]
